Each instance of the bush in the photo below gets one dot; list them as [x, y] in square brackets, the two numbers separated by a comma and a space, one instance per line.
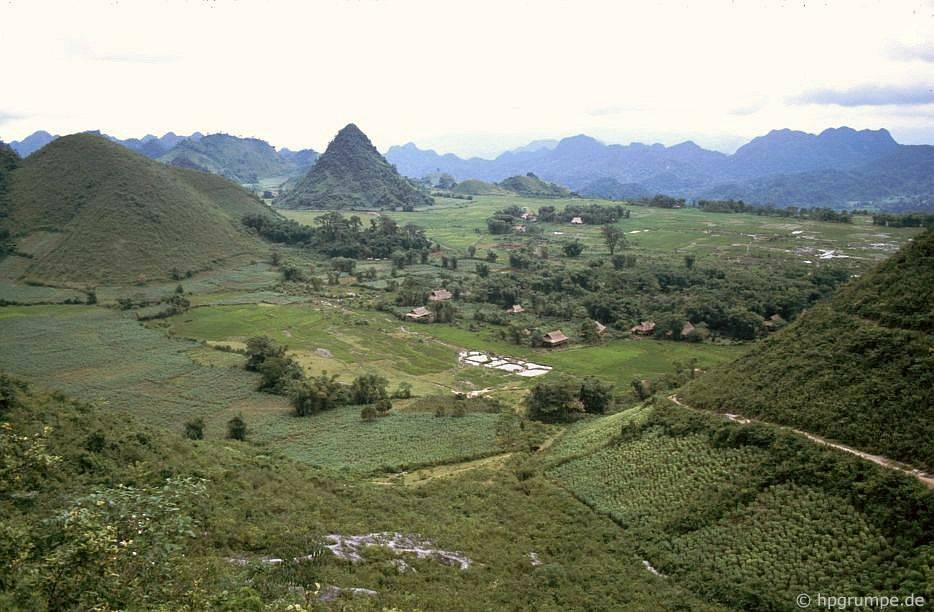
[236, 428]
[194, 429]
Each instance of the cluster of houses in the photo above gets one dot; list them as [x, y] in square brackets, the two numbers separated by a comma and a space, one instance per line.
[421, 313]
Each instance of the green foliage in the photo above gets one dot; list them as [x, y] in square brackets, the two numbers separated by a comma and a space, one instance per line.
[573, 248]
[236, 428]
[555, 401]
[194, 429]
[368, 389]
[316, 394]
[859, 369]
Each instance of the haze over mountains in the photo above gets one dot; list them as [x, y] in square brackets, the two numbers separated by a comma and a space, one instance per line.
[784, 167]
[839, 168]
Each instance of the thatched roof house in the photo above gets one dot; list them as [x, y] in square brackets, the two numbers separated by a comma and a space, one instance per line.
[418, 314]
[554, 338]
[515, 309]
[645, 328]
[439, 295]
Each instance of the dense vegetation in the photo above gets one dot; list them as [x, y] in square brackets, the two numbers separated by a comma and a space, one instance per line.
[352, 174]
[751, 516]
[859, 369]
[338, 236]
[102, 513]
[99, 212]
[738, 206]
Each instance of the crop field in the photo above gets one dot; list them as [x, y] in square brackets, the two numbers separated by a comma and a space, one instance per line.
[650, 481]
[457, 224]
[616, 361]
[794, 539]
[108, 358]
[340, 441]
[588, 436]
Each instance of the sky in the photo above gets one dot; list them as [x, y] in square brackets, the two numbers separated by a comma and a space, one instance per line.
[472, 77]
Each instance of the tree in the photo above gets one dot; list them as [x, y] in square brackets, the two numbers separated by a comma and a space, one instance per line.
[572, 249]
[614, 238]
[404, 391]
[444, 311]
[236, 428]
[595, 395]
[556, 401]
[316, 394]
[482, 270]
[383, 406]
[368, 388]
[471, 251]
[689, 261]
[589, 331]
[368, 413]
[194, 429]
[491, 256]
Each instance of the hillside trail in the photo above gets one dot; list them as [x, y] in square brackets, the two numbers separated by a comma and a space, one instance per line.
[925, 478]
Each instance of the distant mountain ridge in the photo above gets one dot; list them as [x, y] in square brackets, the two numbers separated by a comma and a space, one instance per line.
[837, 167]
[244, 160]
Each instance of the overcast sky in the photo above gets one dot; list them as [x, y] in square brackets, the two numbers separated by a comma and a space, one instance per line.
[471, 76]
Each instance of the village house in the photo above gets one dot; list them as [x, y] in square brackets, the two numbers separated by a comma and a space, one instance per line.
[643, 329]
[577, 221]
[515, 309]
[687, 329]
[419, 314]
[601, 328]
[554, 338]
[439, 295]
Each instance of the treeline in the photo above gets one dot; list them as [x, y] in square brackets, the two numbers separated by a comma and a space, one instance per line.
[339, 236]
[738, 206]
[505, 221]
[591, 214]
[907, 220]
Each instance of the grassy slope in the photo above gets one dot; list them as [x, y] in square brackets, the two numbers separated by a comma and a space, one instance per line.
[116, 214]
[859, 369]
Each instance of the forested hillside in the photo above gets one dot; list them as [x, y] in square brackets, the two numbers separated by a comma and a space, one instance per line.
[858, 369]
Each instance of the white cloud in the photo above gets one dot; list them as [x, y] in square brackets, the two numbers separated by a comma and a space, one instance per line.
[475, 76]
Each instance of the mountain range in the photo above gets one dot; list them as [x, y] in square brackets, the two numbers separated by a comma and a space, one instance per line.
[839, 167]
[244, 160]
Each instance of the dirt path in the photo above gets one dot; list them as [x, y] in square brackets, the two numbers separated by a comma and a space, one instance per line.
[885, 462]
[446, 470]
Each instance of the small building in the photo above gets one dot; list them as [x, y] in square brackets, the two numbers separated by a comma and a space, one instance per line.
[440, 295]
[520, 229]
[687, 329]
[577, 221]
[418, 314]
[554, 338]
[774, 322]
[528, 216]
[515, 309]
[643, 329]
[601, 328]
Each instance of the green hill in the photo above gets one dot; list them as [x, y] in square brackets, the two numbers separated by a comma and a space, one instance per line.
[859, 369]
[352, 174]
[531, 185]
[86, 210]
[244, 160]
[476, 187]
